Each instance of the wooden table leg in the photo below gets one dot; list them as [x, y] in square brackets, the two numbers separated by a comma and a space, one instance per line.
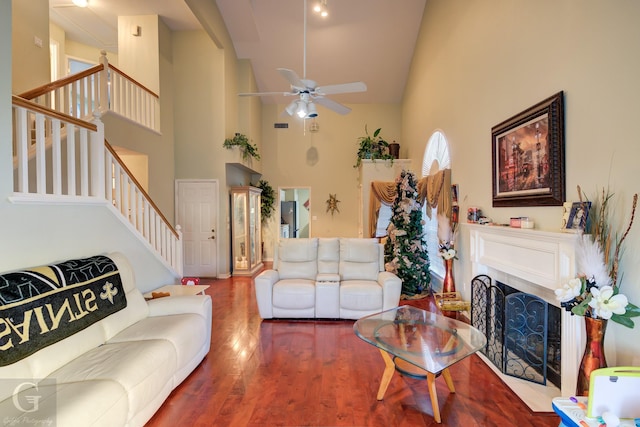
[389, 369]
[447, 379]
[431, 385]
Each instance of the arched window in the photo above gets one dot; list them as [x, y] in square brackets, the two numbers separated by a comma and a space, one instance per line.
[437, 150]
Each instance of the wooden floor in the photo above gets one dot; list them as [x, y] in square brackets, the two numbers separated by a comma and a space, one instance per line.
[318, 373]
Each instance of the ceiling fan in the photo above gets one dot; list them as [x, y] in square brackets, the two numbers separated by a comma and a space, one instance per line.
[308, 92]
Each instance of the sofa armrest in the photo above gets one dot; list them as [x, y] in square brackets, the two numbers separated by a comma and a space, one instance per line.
[181, 304]
[391, 289]
[264, 292]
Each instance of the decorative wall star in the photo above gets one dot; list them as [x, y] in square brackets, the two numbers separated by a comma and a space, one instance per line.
[332, 204]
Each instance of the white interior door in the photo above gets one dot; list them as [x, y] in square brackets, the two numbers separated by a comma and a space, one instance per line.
[197, 214]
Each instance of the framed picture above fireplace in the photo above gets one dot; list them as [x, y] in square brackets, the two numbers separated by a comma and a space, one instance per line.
[528, 156]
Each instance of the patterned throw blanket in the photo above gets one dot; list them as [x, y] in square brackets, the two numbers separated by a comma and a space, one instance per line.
[44, 305]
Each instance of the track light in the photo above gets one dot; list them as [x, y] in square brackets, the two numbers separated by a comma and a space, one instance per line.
[320, 7]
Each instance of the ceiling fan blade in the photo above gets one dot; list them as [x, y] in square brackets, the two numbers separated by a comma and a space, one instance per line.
[292, 78]
[332, 105]
[342, 88]
[267, 93]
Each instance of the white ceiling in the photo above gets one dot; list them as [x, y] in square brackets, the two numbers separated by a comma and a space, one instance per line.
[361, 40]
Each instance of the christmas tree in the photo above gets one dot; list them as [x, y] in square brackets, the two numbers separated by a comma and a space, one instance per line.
[406, 250]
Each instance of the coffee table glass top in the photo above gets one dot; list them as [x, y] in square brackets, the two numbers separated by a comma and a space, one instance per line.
[427, 340]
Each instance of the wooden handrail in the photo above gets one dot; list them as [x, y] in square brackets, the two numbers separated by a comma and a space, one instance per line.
[34, 93]
[25, 103]
[144, 193]
[132, 80]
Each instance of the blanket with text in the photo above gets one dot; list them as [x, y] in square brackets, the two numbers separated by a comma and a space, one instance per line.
[43, 305]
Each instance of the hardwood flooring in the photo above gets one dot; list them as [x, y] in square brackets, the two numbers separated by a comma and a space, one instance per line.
[318, 373]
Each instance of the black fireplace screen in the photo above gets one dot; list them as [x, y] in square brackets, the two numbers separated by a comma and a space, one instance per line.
[522, 330]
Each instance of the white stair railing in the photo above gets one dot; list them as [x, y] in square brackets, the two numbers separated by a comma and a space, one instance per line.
[100, 88]
[59, 158]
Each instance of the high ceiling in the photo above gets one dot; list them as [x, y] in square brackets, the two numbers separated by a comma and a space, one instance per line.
[361, 40]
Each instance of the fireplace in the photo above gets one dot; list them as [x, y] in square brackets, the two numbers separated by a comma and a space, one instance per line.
[537, 263]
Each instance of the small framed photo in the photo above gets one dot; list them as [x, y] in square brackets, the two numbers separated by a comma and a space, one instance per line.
[575, 216]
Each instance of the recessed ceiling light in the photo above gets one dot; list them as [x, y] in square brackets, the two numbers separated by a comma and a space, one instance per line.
[81, 3]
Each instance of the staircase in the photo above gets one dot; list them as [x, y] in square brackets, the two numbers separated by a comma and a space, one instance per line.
[61, 154]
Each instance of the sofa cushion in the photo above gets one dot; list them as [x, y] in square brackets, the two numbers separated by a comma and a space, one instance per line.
[294, 293]
[359, 259]
[328, 255]
[297, 258]
[136, 309]
[86, 403]
[172, 329]
[141, 368]
[360, 295]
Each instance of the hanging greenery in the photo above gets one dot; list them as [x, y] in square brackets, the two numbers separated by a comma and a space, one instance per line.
[267, 200]
[241, 141]
[405, 251]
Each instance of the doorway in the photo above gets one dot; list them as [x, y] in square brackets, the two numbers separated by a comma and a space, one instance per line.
[294, 207]
[197, 214]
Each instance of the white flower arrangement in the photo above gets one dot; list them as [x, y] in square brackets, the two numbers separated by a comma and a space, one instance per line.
[595, 292]
[447, 232]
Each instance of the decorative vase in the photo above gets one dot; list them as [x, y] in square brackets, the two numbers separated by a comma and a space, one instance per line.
[394, 150]
[448, 284]
[593, 357]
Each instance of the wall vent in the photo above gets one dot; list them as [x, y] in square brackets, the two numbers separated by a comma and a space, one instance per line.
[281, 125]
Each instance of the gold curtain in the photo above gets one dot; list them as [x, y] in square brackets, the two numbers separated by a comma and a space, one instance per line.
[434, 189]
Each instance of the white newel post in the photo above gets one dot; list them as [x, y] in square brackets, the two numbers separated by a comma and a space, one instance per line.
[178, 262]
[104, 82]
[96, 151]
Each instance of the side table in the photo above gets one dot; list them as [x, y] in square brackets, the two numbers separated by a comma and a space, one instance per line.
[175, 290]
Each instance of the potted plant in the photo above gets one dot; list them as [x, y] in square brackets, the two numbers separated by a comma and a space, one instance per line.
[241, 141]
[372, 147]
[267, 200]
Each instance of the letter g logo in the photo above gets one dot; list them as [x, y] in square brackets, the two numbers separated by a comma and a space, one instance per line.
[32, 399]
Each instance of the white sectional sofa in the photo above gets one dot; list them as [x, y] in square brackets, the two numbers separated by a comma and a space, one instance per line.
[114, 371]
[332, 278]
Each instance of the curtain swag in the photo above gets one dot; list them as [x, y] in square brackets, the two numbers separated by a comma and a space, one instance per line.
[434, 189]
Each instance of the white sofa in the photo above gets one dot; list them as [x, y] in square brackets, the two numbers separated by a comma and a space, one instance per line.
[331, 278]
[115, 372]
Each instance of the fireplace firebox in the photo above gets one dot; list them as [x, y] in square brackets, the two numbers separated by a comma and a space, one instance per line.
[523, 331]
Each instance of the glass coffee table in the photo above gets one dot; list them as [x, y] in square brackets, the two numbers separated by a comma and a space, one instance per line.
[420, 344]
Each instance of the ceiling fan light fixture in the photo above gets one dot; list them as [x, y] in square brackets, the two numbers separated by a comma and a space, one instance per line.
[312, 111]
[81, 3]
[302, 109]
[291, 108]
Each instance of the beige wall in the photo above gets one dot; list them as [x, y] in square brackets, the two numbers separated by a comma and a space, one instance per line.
[31, 20]
[476, 66]
[88, 53]
[139, 55]
[295, 157]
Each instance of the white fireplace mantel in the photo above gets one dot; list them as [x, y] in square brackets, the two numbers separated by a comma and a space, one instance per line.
[536, 262]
